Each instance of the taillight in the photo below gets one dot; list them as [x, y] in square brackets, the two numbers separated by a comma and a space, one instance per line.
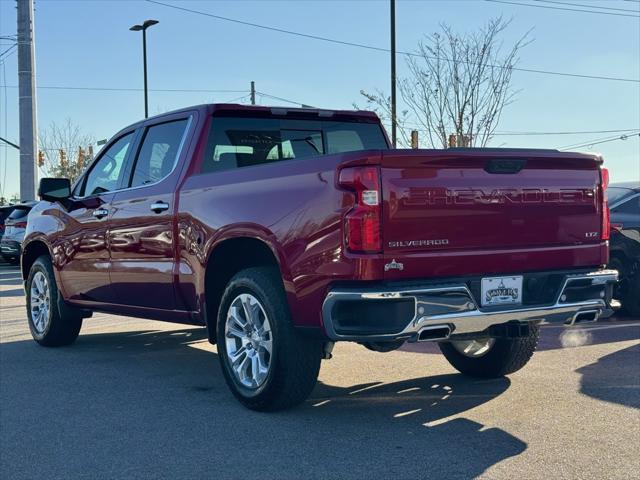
[362, 223]
[606, 218]
[20, 225]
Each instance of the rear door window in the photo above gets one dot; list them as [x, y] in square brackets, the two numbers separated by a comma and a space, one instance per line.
[158, 153]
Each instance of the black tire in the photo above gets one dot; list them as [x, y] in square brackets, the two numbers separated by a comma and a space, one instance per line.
[631, 299]
[506, 355]
[63, 323]
[626, 288]
[295, 359]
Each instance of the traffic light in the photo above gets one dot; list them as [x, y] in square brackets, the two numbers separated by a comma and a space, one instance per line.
[63, 157]
[81, 158]
[40, 159]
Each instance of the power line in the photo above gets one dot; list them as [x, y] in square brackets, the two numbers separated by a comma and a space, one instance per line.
[497, 133]
[293, 102]
[533, 133]
[588, 6]
[380, 49]
[8, 50]
[3, 60]
[116, 89]
[572, 145]
[262, 94]
[563, 133]
[562, 8]
[237, 99]
[597, 141]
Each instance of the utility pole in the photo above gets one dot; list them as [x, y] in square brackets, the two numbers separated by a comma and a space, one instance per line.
[253, 92]
[393, 73]
[27, 100]
[414, 139]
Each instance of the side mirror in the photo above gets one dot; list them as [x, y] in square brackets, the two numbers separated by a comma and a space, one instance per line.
[54, 189]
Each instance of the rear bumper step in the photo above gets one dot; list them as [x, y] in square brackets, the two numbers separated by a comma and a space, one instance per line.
[436, 313]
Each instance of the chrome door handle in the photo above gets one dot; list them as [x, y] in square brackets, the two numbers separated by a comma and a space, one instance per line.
[159, 207]
[100, 213]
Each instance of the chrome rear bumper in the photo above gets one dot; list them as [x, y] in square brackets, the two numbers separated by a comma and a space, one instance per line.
[582, 297]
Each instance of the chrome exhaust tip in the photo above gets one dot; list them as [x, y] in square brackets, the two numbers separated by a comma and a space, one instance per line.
[585, 316]
[434, 333]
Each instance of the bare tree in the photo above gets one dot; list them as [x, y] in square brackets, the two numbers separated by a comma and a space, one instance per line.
[456, 84]
[380, 103]
[66, 149]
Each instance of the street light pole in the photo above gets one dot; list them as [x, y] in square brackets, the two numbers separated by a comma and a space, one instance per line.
[137, 28]
[144, 62]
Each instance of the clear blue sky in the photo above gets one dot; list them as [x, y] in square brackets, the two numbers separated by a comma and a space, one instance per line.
[88, 44]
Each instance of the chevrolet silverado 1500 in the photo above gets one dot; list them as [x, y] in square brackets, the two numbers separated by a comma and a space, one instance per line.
[283, 231]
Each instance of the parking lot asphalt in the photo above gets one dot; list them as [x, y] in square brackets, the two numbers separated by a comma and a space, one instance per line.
[143, 399]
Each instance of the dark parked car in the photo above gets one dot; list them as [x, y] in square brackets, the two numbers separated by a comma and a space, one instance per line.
[624, 203]
[15, 226]
[284, 230]
[5, 211]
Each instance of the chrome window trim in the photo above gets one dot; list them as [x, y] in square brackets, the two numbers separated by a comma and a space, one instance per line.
[175, 163]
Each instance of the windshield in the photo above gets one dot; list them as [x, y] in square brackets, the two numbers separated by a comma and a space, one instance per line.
[615, 194]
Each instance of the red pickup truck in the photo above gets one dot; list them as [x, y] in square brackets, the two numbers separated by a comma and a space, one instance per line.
[284, 230]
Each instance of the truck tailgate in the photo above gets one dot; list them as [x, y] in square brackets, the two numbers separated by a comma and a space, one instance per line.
[480, 211]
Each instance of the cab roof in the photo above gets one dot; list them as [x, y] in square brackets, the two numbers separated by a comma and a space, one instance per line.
[228, 109]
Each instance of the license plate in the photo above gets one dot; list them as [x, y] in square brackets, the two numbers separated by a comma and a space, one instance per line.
[501, 291]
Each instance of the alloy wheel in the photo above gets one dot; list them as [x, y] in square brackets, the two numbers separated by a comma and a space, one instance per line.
[40, 302]
[248, 341]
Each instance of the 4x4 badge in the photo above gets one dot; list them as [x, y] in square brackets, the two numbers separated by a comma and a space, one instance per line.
[393, 265]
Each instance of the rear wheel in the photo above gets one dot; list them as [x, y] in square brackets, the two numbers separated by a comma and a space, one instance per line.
[267, 365]
[631, 300]
[491, 357]
[626, 287]
[52, 322]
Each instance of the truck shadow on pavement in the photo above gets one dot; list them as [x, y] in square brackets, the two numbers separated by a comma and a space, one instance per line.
[614, 378]
[155, 404]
